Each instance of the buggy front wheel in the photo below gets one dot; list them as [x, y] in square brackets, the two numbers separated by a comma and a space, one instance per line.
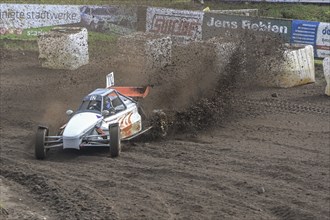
[115, 143]
[40, 150]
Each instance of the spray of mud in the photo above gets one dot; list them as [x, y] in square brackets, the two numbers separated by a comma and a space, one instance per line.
[209, 108]
[197, 87]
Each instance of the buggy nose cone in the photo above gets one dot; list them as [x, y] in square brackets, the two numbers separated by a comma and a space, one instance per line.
[78, 126]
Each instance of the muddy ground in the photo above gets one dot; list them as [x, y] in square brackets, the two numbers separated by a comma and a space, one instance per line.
[268, 159]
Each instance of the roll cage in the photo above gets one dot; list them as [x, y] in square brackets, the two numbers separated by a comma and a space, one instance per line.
[97, 101]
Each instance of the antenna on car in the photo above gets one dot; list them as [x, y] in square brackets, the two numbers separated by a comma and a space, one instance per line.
[110, 78]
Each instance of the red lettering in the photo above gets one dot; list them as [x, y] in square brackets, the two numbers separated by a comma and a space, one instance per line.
[193, 28]
[185, 27]
[157, 25]
[170, 26]
[174, 26]
[164, 27]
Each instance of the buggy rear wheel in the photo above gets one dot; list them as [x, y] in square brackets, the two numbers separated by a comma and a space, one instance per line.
[160, 124]
[40, 150]
[115, 143]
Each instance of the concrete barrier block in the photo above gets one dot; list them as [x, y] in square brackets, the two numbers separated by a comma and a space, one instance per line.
[64, 48]
[224, 53]
[326, 70]
[139, 54]
[158, 52]
[145, 50]
[297, 68]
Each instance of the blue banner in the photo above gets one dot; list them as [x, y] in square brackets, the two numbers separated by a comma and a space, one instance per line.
[312, 33]
[304, 32]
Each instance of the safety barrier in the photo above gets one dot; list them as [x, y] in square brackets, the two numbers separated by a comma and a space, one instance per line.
[143, 53]
[297, 68]
[64, 48]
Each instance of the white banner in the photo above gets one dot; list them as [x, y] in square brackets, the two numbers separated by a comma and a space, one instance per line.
[186, 25]
[23, 16]
[323, 40]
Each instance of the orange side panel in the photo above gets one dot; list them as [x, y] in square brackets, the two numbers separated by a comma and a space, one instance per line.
[133, 91]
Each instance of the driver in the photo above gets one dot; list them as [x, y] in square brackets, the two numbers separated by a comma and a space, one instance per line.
[107, 103]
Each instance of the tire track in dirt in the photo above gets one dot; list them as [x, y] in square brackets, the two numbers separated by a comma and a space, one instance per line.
[79, 200]
[282, 106]
[287, 213]
[255, 172]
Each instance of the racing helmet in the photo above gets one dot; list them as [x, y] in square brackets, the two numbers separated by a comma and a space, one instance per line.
[95, 105]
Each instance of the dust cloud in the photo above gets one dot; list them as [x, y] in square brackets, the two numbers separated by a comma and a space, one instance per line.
[195, 89]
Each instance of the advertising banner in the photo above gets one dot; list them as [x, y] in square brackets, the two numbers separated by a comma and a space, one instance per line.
[224, 25]
[323, 40]
[14, 18]
[185, 25]
[304, 32]
[312, 33]
[23, 16]
[115, 19]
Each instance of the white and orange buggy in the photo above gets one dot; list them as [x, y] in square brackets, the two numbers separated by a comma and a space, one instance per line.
[106, 117]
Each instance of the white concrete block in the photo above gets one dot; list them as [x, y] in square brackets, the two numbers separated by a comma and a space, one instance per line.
[326, 70]
[297, 68]
[64, 48]
[145, 51]
[224, 53]
[158, 52]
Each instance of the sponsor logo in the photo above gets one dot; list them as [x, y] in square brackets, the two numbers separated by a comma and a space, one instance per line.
[183, 25]
[26, 16]
[323, 40]
[180, 26]
[326, 31]
[248, 25]
[9, 14]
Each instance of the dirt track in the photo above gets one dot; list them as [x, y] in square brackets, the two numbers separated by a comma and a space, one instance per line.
[268, 160]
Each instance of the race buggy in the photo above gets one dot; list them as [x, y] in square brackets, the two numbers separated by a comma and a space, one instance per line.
[106, 117]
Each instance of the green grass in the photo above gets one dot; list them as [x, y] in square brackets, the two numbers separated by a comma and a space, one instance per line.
[96, 36]
[29, 42]
[297, 11]
[28, 34]
[318, 64]
[23, 45]
[279, 10]
[99, 43]
[318, 61]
